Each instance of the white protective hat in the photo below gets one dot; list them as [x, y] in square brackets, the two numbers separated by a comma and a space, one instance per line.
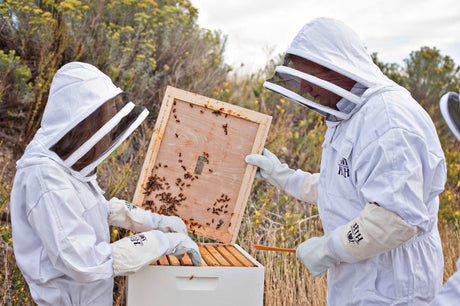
[77, 91]
[332, 44]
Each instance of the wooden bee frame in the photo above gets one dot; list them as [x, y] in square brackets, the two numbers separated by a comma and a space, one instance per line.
[194, 167]
[214, 255]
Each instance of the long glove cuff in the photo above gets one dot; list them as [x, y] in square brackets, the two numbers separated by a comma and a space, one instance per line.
[335, 245]
[127, 215]
[303, 186]
[375, 231]
[132, 253]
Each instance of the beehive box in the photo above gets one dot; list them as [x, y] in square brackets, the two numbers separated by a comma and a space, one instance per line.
[195, 169]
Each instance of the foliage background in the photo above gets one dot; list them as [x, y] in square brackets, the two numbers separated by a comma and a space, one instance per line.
[145, 45]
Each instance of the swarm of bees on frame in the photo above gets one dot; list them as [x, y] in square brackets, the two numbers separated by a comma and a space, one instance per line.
[167, 203]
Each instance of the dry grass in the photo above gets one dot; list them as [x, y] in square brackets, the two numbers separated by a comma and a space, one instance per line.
[450, 237]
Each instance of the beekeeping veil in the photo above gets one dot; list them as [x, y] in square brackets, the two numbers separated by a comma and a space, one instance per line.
[450, 110]
[79, 94]
[332, 44]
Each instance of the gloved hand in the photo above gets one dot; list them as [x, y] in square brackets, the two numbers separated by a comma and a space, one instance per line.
[127, 215]
[169, 224]
[181, 244]
[316, 255]
[270, 168]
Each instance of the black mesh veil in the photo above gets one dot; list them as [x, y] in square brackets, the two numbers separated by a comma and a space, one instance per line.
[450, 109]
[95, 137]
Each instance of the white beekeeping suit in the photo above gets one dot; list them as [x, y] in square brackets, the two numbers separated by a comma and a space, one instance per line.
[382, 169]
[60, 218]
[449, 295]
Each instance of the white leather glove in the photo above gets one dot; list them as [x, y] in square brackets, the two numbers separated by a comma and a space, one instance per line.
[179, 244]
[270, 168]
[169, 224]
[316, 255]
[375, 231]
[132, 253]
[127, 215]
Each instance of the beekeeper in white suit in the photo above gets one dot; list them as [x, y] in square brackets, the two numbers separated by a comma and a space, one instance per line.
[449, 295]
[382, 169]
[60, 218]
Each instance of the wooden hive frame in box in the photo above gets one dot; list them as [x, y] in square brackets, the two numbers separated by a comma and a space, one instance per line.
[214, 255]
[195, 169]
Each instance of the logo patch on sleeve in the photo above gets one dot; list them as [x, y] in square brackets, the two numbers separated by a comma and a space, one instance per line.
[354, 236]
[138, 239]
[130, 206]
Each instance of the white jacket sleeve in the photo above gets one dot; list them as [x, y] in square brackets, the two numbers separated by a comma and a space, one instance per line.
[303, 186]
[449, 295]
[400, 173]
[69, 241]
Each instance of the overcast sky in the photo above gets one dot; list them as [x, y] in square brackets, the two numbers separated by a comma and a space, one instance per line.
[259, 29]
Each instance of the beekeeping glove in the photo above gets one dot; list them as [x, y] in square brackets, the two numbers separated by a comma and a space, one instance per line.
[270, 168]
[132, 253]
[127, 215]
[169, 224]
[300, 184]
[316, 256]
[375, 231]
[179, 244]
